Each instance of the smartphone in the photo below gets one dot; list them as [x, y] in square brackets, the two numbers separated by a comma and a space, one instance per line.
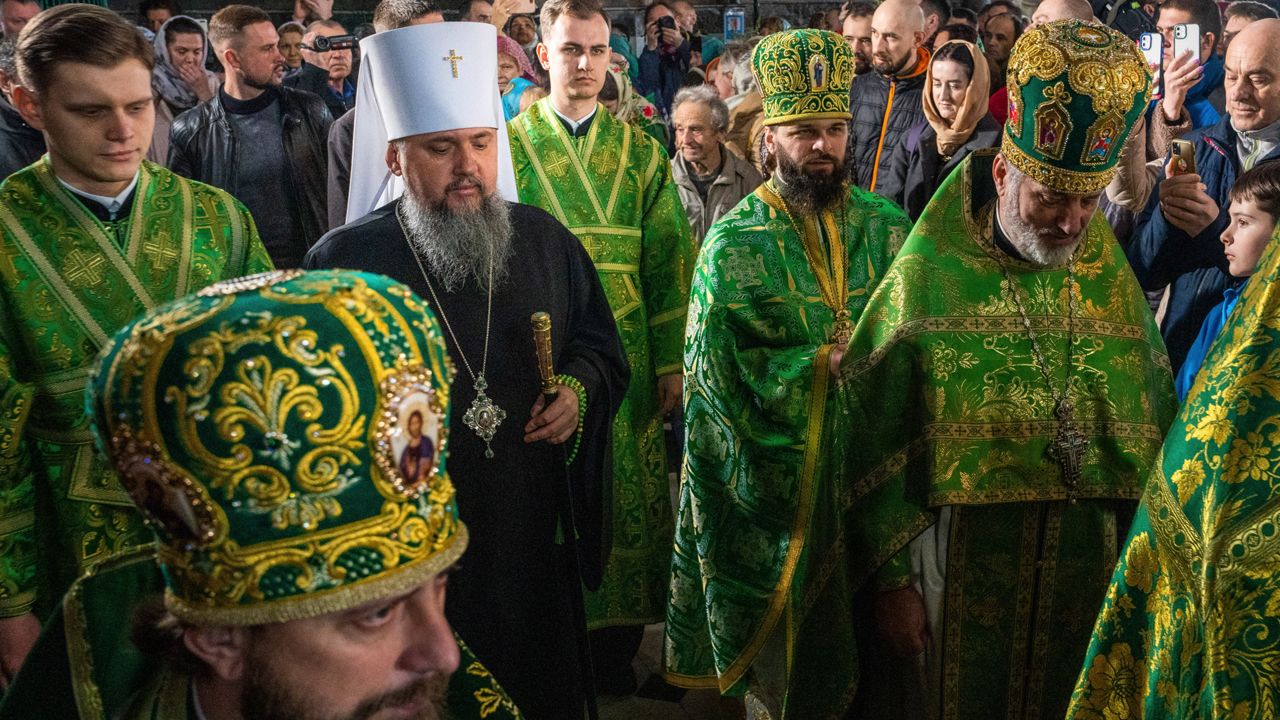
[1185, 151]
[1152, 46]
[524, 7]
[1186, 38]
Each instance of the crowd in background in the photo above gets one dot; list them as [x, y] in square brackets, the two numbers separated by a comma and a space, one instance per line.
[266, 113]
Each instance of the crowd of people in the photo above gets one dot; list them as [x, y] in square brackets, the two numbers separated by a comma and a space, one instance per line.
[918, 363]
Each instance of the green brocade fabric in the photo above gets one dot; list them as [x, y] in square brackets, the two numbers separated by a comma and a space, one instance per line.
[940, 402]
[755, 526]
[67, 283]
[1190, 627]
[85, 665]
[613, 190]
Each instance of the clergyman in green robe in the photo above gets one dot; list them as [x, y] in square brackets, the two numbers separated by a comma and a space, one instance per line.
[297, 571]
[610, 184]
[779, 282]
[1002, 399]
[87, 242]
[1190, 626]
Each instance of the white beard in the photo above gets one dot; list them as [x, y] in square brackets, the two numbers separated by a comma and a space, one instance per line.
[1024, 237]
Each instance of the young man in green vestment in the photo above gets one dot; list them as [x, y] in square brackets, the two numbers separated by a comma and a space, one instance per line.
[611, 185]
[297, 571]
[90, 236]
[1001, 402]
[779, 282]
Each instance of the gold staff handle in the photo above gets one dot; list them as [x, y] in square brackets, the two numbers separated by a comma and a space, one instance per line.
[541, 322]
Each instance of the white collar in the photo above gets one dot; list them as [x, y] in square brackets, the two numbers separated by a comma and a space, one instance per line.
[575, 124]
[112, 204]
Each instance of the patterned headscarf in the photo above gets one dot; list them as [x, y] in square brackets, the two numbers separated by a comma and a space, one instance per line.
[507, 46]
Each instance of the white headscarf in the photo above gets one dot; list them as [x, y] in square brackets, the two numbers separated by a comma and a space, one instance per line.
[408, 86]
[165, 80]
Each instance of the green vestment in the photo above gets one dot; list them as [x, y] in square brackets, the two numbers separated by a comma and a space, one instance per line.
[1190, 627]
[613, 189]
[85, 665]
[754, 527]
[68, 282]
[941, 403]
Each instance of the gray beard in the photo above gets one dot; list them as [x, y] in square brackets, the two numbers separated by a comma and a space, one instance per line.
[460, 246]
[1026, 238]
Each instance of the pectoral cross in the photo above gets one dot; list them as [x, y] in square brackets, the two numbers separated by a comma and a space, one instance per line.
[1068, 446]
[452, 58]
[81, 266]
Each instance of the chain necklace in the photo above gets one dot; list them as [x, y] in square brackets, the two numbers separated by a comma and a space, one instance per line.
[1069, 442]
[831, 272]
[484, 416]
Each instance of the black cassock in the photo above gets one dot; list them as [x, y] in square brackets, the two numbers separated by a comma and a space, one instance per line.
[510, 599]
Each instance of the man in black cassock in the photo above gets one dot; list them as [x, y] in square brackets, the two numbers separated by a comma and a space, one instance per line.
[486, 265]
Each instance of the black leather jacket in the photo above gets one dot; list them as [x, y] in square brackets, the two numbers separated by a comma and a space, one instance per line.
[20, 144]
[202, 147]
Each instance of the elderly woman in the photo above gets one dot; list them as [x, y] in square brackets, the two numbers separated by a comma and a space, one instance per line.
[709, 177]
[515, 75]
[179, 80]
[958, 123]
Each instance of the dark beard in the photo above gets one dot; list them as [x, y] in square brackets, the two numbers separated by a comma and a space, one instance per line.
[809, 192]
[460, 245]
[265, 699]
[892, 68]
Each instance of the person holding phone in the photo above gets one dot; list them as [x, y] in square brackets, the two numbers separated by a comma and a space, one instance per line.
[665, 60]
[1175, 240]
[1192, 77]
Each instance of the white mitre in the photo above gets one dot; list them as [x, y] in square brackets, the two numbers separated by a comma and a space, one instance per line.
[422, 79]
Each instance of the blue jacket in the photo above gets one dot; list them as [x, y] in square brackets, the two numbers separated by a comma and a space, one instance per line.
[661, 76]
[1161, 254]
[1209, 332]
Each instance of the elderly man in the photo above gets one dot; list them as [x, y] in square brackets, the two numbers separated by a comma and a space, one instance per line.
[93, 235]
[779, 283]
[1001, 402]
[1175, 241]
[886, 103]
[486, 265]
[341, 561]
[710, 178]
[326, 73]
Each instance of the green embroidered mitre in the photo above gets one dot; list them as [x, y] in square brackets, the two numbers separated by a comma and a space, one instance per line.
[285, 435]
[1075, 91]
[803, 75]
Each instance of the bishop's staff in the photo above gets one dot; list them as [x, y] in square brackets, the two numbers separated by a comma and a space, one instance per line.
[541, 322]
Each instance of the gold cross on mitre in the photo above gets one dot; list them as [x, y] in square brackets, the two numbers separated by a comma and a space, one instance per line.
[452, 58]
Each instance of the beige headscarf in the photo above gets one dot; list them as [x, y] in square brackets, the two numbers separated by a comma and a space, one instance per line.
[953, 134]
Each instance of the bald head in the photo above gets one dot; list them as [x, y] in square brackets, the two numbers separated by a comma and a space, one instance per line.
[1051, 10]
[897, 32]
[1253, 76]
